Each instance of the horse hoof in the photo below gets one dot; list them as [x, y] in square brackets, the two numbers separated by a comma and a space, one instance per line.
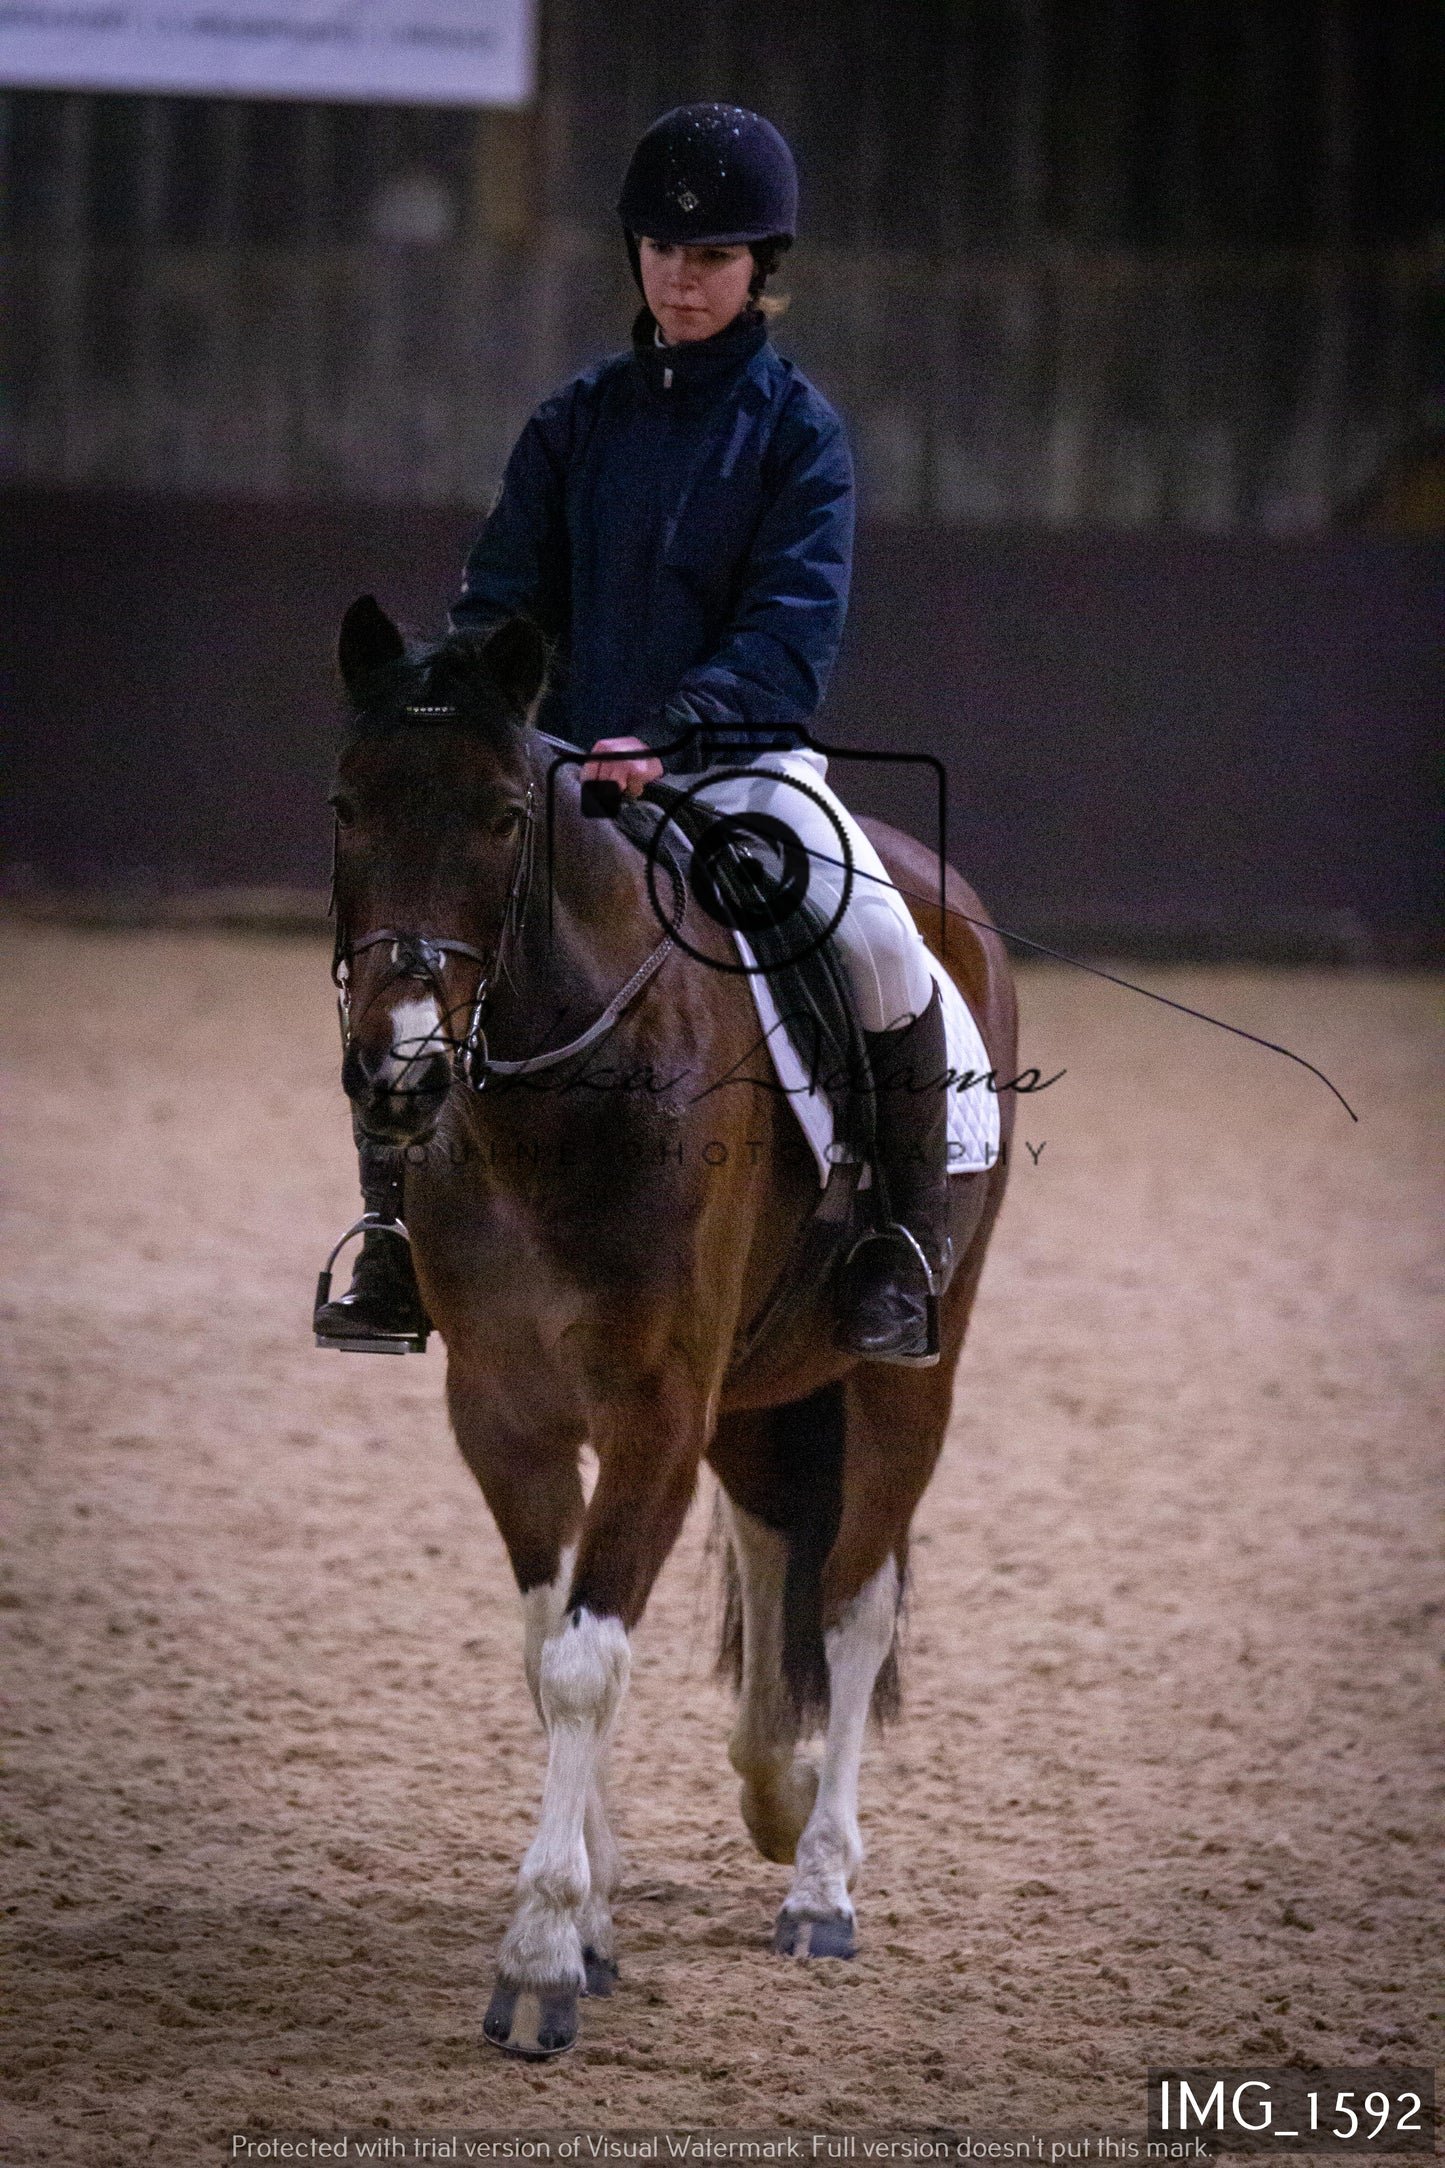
[534, 2023]
[601, 1973]
[804, 1934]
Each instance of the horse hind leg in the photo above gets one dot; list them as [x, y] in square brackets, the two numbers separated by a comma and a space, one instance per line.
[819, 1496]
[778, 1787]
[896, 1421]
[816, 1919]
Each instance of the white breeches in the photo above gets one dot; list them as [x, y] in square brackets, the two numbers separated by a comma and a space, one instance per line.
[881, 948]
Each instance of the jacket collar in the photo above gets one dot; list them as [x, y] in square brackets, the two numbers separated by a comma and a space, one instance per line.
[697, 366]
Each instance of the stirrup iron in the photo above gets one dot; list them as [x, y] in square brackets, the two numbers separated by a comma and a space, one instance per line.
[376, 1343]
[935, 1283]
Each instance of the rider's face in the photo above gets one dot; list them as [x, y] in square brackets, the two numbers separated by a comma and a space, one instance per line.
[694, 292]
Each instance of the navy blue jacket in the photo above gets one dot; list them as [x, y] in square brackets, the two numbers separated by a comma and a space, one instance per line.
[679, 521]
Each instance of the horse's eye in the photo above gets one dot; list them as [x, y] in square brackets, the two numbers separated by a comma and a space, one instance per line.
[505, 824]
[343, 808]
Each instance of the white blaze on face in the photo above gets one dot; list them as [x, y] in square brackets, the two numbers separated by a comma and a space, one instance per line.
[415, 1037]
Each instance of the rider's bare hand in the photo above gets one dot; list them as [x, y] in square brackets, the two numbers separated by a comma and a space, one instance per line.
[633, 775]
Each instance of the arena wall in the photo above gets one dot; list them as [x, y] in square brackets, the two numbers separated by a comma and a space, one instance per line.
[1191, 744]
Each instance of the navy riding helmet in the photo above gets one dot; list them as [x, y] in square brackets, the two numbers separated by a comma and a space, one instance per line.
[711, 174]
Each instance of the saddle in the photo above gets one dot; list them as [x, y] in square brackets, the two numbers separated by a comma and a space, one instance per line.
[817, 1011]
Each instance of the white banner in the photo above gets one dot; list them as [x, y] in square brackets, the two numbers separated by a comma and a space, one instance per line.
[397, 52]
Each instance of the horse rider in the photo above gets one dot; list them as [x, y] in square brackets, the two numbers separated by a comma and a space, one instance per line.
[679, 521]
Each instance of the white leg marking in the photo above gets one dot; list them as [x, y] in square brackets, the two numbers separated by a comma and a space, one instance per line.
[582, 1677]
[542, 1609]
[830, 1849]
[604, 1866]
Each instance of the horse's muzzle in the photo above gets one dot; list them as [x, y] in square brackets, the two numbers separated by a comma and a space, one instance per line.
[396, 1102]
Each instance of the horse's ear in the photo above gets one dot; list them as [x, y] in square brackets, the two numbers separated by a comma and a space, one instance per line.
[516, 656]
[368, 641]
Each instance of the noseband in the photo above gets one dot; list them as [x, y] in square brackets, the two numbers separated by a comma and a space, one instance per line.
[424, 956]
[417, 956]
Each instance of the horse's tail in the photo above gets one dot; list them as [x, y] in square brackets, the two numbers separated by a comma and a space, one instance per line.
[807, 1438]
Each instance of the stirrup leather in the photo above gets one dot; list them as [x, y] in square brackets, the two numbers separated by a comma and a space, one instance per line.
[374, 1343]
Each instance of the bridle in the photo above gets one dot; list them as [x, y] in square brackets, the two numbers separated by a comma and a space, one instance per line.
[418, 956]
[424, 957]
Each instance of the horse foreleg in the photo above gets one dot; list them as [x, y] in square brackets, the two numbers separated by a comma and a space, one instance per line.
[604, 1863]
[582, 1673]
[647, 1448]
[542, 1609]
[528, 1471]
[816, 1919]
[540, 1620]
[778, 1788]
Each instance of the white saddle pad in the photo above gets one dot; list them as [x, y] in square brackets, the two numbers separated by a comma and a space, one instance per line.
[973, 1131]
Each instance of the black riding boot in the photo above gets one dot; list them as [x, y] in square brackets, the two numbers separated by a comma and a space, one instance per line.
[889, 1290]
[381, 1312]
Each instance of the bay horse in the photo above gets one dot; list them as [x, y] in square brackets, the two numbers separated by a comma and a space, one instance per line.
[592, 1237]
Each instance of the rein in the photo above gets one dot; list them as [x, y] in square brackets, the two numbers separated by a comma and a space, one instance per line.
[423, 956]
